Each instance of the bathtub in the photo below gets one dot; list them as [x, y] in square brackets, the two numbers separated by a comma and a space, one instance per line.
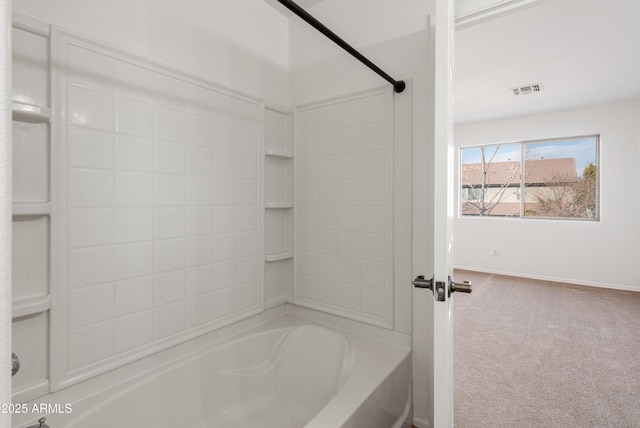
[287, 373]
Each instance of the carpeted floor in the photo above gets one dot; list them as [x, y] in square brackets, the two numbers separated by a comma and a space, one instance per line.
[542, 354]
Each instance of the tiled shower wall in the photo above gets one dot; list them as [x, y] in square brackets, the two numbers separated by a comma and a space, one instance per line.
[344, 205]
[159, 208]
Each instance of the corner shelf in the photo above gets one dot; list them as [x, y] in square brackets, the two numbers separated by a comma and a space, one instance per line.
[278, 205]
[30, 208]
[278, 153]
[30, 305]
[30, 113]
[276, 257]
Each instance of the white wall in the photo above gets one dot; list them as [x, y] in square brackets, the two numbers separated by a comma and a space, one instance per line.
[389, 33]
[395, 36]
[600, 253]
[240, 44]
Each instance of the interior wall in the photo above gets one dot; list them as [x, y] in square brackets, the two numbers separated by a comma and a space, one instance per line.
[321, 71]
[389, 33]
[239, 44]
[602, 253]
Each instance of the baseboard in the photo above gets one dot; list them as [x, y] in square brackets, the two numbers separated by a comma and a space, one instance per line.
[621, 287]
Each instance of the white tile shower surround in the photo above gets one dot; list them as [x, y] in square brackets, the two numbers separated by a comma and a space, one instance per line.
[344, 202]
[159, 195]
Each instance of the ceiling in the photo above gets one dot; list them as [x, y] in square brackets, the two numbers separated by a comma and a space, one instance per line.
[583, 52]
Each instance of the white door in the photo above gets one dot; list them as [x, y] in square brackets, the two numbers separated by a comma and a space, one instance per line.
[443, 214]
[5, 209]
[433, 226]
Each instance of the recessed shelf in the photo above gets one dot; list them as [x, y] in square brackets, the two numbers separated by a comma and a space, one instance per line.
[279, 153]
[278, 205]
[29, 208]
[30, 305]
[30, 113]
[276, 257]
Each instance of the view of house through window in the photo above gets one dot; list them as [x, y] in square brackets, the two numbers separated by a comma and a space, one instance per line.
[548, 179]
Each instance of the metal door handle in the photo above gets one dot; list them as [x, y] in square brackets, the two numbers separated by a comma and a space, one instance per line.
[15, 364]
[41, 423]
[461, 287]
[420, 282]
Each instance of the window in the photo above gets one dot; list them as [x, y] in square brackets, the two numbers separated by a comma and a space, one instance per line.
[538, 179]
[471, 194]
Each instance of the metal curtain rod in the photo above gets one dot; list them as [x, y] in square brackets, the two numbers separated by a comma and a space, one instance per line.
[398, 85]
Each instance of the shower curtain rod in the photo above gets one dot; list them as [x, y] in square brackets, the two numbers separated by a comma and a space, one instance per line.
[398, 85]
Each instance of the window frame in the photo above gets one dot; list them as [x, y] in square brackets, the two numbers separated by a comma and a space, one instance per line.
[521, 189]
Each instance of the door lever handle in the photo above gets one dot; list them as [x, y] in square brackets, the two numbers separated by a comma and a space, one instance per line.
[421, 282]
[15, 364]
[461, 287]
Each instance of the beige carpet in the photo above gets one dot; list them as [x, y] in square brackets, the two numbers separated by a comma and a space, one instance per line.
[542, 354]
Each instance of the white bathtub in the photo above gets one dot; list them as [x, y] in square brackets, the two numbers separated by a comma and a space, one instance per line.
[287, 373]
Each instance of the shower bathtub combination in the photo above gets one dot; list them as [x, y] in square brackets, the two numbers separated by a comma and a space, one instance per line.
[189, 255]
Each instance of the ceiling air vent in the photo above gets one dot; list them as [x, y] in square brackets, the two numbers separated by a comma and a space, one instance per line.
[527, 89]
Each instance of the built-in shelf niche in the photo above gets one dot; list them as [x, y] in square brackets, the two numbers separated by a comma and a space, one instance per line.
[30, 343]
[30, 257]
[279, 231]
[278, 182]
[278, 282]
[31, 159]
[278, 133]
[30, 154]
[278, 206]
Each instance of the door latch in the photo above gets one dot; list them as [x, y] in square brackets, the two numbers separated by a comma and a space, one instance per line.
[437, 287]
[442, 289]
